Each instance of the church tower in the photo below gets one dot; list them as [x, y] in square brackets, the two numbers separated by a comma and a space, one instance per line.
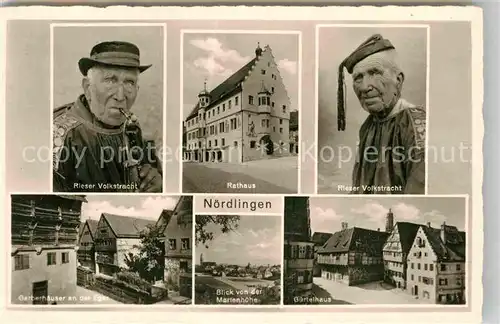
[389, 221]
[201, 259]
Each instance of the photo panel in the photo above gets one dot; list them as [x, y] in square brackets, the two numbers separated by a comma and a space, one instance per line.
[372, 103]
[398, 250]
[101, 250]
[240, 100]
[108, 100]
[238, 253]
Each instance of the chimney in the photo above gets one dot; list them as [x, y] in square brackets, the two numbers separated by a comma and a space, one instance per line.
[344, 225]
[443, 232]
[428, 224]
[389, 221]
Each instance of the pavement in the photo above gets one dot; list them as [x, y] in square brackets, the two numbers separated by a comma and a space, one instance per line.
[279, 175]
[370, 293]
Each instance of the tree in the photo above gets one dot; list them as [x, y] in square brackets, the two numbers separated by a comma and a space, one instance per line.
[204, 235]
[149, 262]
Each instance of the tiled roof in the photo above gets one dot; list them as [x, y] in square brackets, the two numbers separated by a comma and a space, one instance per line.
[355, 239]
[81, 198]
[226, 88]
[92, 226]
[320, 238]
[451, 250]
[125, 226]
[407, 232]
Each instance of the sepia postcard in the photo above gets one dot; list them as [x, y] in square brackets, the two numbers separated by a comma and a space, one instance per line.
[289, 164]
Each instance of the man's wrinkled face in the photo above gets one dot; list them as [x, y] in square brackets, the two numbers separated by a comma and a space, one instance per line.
[109, 89]
[377, 85]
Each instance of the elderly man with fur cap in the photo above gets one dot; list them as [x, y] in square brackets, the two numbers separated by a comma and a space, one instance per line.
[97, 141]
[391, 151]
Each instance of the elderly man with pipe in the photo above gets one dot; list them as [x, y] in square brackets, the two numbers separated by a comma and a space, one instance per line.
[391, 151]
[97, 141]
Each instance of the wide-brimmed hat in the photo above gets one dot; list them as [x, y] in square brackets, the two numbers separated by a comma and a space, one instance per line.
[113, 53]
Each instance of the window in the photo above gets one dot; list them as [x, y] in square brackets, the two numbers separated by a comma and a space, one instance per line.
[300, 277]
[443, 282]
[412, 277]
[418, 266]
[281, 130]
[235, 102]
[425, 266]
[263, 71]
[215, 142]
[21, 262]
[267, 123]
[273, 76]
[268, 63]
[209, 143]
[221, 127]
[284, 108]
[443, 267]
[223, 141]
[263, 123]
[274, 129]
[185, 244]
[65, 257]
[272, 89]
[281, 121]
[252, 144]
[431, 267]
[272, 104]
[51, 258]
[458, 267]
[459, 281]
[218, 110]
[413, 265]
[235, 143]
[223, 107]
[419, 279]
[229, 105]
[233, 123]
[250, 100]
[425, 254]
[172, 244]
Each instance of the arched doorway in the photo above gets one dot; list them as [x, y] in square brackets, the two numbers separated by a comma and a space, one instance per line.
[268, 144]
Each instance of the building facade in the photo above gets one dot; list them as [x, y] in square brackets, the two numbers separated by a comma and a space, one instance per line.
[86, 250]
[246, 117]
[436, 265]
[44, 239]
[396, 249]
[319, 239]
[298, 263]
[116, 237]
[178, 236]
[353, 256]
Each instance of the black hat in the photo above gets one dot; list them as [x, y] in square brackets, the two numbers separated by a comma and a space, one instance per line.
[372, 45]
[114, 53]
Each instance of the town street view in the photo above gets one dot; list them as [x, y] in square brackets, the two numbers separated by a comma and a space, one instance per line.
[408, 250]
[100, 249]
[238, 260]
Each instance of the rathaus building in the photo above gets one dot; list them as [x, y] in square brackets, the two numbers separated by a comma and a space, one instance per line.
[244, 118]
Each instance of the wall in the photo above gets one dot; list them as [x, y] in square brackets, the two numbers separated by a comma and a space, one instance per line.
[424, 257]
[455, 279]
[61, 277]
[333, 258]
[222, 112]
[251, 86]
